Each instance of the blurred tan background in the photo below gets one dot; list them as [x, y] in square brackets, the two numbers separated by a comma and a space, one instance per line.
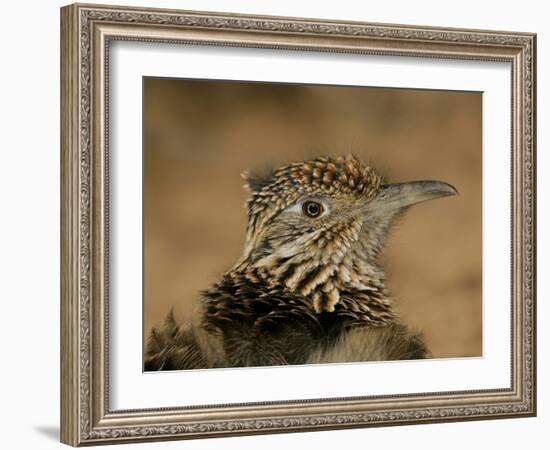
[200, 135]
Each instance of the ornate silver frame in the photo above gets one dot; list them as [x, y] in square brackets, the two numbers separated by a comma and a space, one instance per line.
[86, 31]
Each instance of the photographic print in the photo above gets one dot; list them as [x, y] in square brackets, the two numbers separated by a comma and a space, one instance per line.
[341, 211]
[360, 238]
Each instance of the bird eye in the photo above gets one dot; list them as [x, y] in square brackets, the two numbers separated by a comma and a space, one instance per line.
[312, 209]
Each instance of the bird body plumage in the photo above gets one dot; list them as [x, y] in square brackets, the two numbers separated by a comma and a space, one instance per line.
[308, 287]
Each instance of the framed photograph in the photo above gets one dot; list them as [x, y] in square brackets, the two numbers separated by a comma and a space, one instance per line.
[381, 270]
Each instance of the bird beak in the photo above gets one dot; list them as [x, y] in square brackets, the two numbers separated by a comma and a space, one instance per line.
[396, 196]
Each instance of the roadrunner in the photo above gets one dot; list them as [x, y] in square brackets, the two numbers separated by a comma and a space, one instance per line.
[308, 287]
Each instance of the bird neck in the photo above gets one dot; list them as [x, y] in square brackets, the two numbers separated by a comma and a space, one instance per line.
[351, 287]
[322, 273]
[249, 298]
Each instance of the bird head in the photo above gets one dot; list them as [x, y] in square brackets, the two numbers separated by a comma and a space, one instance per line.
[317, 227]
